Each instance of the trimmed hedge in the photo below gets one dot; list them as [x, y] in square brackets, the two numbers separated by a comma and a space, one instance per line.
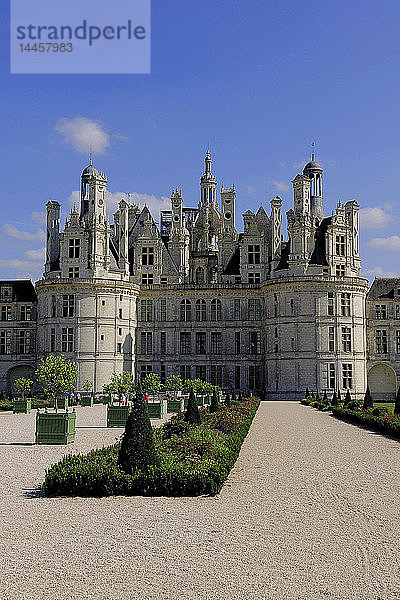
[194, 462]
[376, 419]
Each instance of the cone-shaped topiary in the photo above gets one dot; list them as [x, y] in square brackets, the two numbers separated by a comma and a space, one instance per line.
[334, 401]
[137, 447]
[214, 404]
[368, 401]
[192, 414]
[317, 398]
[347, 398]
[233, 398]
[397, 403]
[240, 397]
[227, 400]
[312, 395]
[307, 393]
[339, 396]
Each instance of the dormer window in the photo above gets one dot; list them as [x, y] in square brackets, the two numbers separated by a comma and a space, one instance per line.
[74, 248]
[254, 254]
[147, 255]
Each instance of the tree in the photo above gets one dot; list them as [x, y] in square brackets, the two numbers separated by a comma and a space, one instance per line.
[137, 446]
[347, 399]
[174, 383]
[151, 383]
[397, 403]
[23, 386]
[334, 401]
[87, 386]
[368, 401]
[192, 414]
[339, 397]
[307, 393]
[233, 398]
[325, 398]
[121, 383]
[317, 398]
[240, 397]
[214, 405]
[227, 399]
[57, 375]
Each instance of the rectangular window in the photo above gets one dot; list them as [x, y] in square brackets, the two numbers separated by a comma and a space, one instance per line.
[67, 339]
[340, 245]
[74, 248]
[236, 309]
[237, 342]
[163, 375]
[339, 270]
[216, 342]
[185, 342]
[119, 348]
[346, 339]
[291, 306]
[254, 309]
[185, 372]
[201, 310]
[254, 377]
[120, 313]
[345, 304]
[163, 310]
[381, 341]
[380, 311]
[147, 279]
[5, 342]
[146, 342]
[26, 313]
[330, 304]
[254, 278]
[347, 372]
[163, 342]
[397, 311]
[185, 310]
[216, 375]
[53, 306]
[201, 372]
[254, 342]
[146, 313]
[254, 254]
[68, 305]
[6, 313]
[397, 342]
[331, 334]
[52, 340]
[216, 310]
[237, 377]
[201, 342]
[147, 255]
[24, 342]
[331, 376]
[145, 370]
[73, 272]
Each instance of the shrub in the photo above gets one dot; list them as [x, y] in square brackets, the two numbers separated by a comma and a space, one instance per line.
[227, 401]
[325, 398]
[368, 402]
[397, 403]
[307, 393]
[192, 414]
[384, 422]
[334, 401]
[137, 450]
[347, 399]
[176, 426]
[214, 404]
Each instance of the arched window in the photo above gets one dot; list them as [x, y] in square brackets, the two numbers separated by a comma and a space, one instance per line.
[201, 310]
[199, 275]
[186, 310]
[216, 310]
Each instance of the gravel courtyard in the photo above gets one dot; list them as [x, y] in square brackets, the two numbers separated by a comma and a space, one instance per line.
[311, 510]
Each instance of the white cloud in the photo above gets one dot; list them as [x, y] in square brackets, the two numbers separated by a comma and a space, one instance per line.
[154, 203]
[251, 189]
[374, 217]
[378, 272]
[280, 186]
[31, 262]
[83, 134]
[39, 217]
[14, 232]
[282, 163]
[388, 243]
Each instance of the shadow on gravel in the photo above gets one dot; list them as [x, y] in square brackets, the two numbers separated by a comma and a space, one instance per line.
[32, 493]
[368, 429]
[91, 427]
[17, 444]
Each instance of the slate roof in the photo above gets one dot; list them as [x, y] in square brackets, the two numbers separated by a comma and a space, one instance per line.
[22, 290]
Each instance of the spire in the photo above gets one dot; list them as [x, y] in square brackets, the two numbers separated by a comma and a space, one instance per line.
[207, 161]
[313, 151]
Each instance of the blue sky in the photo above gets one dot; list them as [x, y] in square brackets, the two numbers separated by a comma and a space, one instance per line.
[256, 81]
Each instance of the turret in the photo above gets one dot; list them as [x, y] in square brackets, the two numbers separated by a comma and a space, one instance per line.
[314, 172]
[208, 184]
[53, 236]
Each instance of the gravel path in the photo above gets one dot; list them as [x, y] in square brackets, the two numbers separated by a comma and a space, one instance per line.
[310, 511]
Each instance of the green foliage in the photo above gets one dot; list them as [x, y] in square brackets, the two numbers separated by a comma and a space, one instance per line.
[214, 404]
[307, 393]
[334, 401]
[192, 462]
[396, 409]
[383, 421]
[174, 383]
[325, 398]
[339, 397]
[233, 398]
[57, 376]
[88, 386]
[23, 386]
[192, 414]
[121, 383]
[176, 426]
[227, 400]
[368, 401]
[347, 398]
[151, 383]
[137, 450]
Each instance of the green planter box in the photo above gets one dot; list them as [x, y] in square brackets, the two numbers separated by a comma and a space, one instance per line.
[117, 415]
[105, 399]
[87, 400]
[55, 428]
[155, 410]
[200, 400]
[174, 406]
[185, 399]
[22, 406]
[62, 403]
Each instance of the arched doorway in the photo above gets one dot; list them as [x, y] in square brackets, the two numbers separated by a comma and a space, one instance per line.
[14, 373]
[382, 382]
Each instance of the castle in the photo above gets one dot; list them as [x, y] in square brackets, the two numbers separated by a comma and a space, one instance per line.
[197, 298]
